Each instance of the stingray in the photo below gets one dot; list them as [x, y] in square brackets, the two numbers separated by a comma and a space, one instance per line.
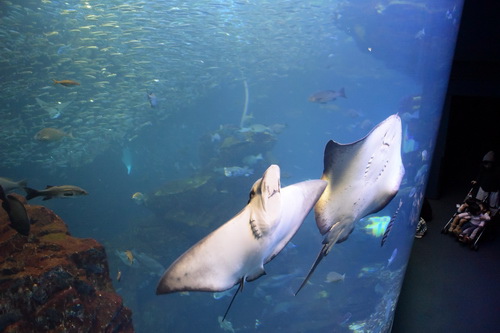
[53, 109]
[237, 251]
[363, 177]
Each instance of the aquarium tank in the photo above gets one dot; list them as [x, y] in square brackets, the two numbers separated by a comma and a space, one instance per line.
[285, 145]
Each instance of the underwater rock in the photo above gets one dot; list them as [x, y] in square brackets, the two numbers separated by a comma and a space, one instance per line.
[53, 282]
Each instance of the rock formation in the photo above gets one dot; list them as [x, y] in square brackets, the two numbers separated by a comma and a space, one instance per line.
[53, 282]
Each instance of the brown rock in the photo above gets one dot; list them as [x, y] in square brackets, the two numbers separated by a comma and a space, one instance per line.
[53, 282]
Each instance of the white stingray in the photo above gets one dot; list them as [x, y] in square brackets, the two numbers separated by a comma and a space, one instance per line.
[237, 251]
[362, 177]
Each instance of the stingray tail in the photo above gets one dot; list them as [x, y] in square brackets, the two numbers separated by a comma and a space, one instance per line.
[240, 288]
[321, 255]
[327, 246]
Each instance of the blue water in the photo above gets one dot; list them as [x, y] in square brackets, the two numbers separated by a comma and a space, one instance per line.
[389, 56]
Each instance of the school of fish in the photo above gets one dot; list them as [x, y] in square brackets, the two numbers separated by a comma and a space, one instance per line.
[100, 71]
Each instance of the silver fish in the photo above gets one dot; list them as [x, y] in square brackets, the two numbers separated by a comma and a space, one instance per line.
[9, 185]
[63, 191]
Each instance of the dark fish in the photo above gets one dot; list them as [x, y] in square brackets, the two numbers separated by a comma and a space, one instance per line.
[66, 83]
[327, 96]
[391, 223]
[153, 100]
[18, 215]
[49, 134]
[63, 191]
[9, 185]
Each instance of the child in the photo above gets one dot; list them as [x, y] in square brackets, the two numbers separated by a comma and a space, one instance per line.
[476, 220]
[462, 217]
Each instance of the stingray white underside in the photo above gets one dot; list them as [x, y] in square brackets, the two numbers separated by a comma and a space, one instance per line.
[238, 250]
[362, 177]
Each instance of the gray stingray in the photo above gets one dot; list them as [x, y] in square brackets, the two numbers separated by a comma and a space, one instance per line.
[237, 251]
[362, 177]
[53, 109]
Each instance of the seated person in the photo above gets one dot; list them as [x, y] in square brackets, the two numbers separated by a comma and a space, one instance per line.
[478, 216]
[461, 218]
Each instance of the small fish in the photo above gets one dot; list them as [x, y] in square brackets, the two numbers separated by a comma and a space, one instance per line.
[146, 261]
[391, 223]
[327, 96]
[119, 276]
[275, 282]
[237, 171]
[63, 191]
[9, 185]
[215, 137]
[369, 270]
[425, 155]
[252, 159]
[420, 34]
[66, 83]
[393, 256]
[130, 256]
[334, 277]
[49, 134]
[125, 257]
[321, 294]
[138, 198]
[153, 100]
[377, 226]
[18, 216]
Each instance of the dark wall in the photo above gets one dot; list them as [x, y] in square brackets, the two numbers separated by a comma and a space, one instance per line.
[473, 107]
[473, 130]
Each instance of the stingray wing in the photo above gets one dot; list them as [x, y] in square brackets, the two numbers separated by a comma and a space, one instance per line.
[236, 250]
[217, 262]
[297, 201]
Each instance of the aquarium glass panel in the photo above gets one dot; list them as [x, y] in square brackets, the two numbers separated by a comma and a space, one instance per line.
[181, 120]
